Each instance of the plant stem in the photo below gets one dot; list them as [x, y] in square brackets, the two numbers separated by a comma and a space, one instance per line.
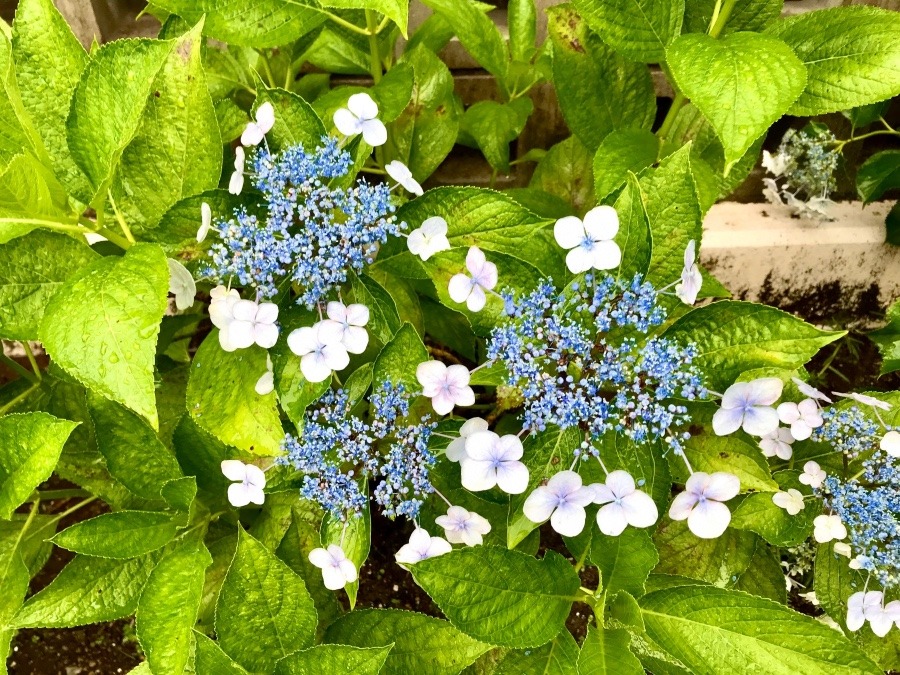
[121, 220]
[50, 495]
[719, 25]
[374, 52]
[68, 512]
[16, 367]
[666, 127]
[17, 399]
[21, 535]
[880, 132]
[49, 224]
[32, 361]
[346, 24]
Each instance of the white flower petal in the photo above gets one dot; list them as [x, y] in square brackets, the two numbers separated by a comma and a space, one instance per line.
[620, 482]
[265, 384]
[569, 232]
[374, 132]
[601, 223]
[512, 477]
[682, 505]
[239, 494]
[640, 509]
[478, 476]
[234, 469]
[356, 339]
[314, 367]
[611, 520]
[236, 184]
[727, 420]
[540, 504]
[579, 259]
[709, 519]
[265, 335]
[568, 520]
[346, 122]
[431, 375]
[760, 420]
[265, 117]
[459, 288]
[363, 106]
[302, 341]
[336, 356]
[722, 486]
[477, 299]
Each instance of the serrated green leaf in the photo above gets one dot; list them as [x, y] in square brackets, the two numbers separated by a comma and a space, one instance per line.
[557, 657]
[422, 644]
[564, 171]
[493, 126]
[334, 660]
[887, 339]
[522, 22]
[28, 192]
[17, 133]
[851, 54]
[358, 384]
[176, 231]
[399, 359]
[262, 597]
[624, 561]
[878, 174]
[758, 513]
[717, 561]
[638, 29]
[14, 578]
[606, 652]
[505, 597]
[395, 10]
[384, 321]
[634, 237]
[30, 445]
[124, 534]
[210, 658]
[476, 32]
[295, 120]
[764, 575]
[622, 152]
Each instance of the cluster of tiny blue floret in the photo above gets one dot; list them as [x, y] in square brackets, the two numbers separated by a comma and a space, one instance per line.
[337, 452]
[577, 360]
[812, 159]
[848, 431]
[315, 231]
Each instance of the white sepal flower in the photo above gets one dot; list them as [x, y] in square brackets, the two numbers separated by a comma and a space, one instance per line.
[250, 483]
[842, 548]
[777, 444]
[345, 324]
[471, 288]
[803, 417]
[828, 528]
[791, 501]
[691, 279]
[221, 307]
[494, 460]
[446, 386]
[590, 242]
[890, 443]
[463, 527]
[456, 450]
[623, 504]
[422, 546]
[772, 192]
[701, 503]
[401, 173]
[809, 391]
[866, 400]
[749, 405]
[882, 617]
[251, 323]
[857, 606]
[337, 570]
[361, 117]
[205, 222]
[181, 284]
[429, 238]
[775, 164]
[236, 184]
[256, 130]
[318, 356]
[562, 500]
[813, 475]
[266, 382]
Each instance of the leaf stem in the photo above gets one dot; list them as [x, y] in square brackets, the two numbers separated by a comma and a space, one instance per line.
[49, 224]
[32, 361]
[120, 219]
[719, 24]
[16, 367]
[677, 103]
[50, 495]
[374, 51]
[68, 512]
[346, 24]
[839, 145]
[12, 404]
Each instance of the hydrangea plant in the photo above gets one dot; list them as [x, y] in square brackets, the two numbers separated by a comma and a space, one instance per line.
[262, 330]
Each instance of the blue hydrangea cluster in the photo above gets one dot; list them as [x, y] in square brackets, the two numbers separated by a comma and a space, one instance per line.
[578, 363]
[337, 451]
[847, 430]
[315, 232]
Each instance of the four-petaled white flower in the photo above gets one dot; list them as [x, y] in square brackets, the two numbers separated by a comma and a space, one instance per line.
[471, 289]
[591, 240]
[813, 475]
[562, 500]
[257, 129]
[446, 386]
[361, 117]
[774, 164]
[494, 460]
[251, 323]
[791, 501]
[250, 485]
[866, 400]
[429, 238]
[701, 503]
[869, 606]
[401, 173]
[337, 570]
[318, 356]
[422, 546]
[890, 443]
[236, 184]
[828, 528]
[803, 417]
[809, 391]
[181, 284]
[345, 324]
[205, 222]
[623, 504]
[463, 527]
[749, 405]
[691, 279]
[777, 444]
[266, 382]
[456, 450]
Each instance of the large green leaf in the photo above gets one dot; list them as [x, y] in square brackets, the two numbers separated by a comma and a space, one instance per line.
[493, 126]
[30, 445]
[713, 630]
[503, 597]
[638, 29]
[210, 658]
[334, 660]
[476, 32]
[634, 236]
[717, 561]
[399, 359]
[732, 337]
[262, 597]
[606, 652]
[176, 231]
[395, 10]
[124, 534]
[28, 192]
[17, 133]
[598, 89]
[878, 174]
[887, 339]
[295, 120]
[557, 657]
[621, 152]
[764, 575]
[565, 172]
[422, 644]
[851, 54]
[14, 579]
[384, 321]
[624, 561]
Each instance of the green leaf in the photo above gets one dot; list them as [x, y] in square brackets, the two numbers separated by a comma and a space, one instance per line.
[764, 575]
[399, 359]
[168, 606]
[752, 15]
[210, 658]
[422, 644]
[30, 445]
[17, 133]
[717, 561]
[493, 126]
[522, 23]
[557, 657]
[622, 152]
[124, 534]
[715, 630]
[715, 75]
[222, 399]
[32, 268]
[624, 561]
[731, 337]
[887, 339]
[176, 231]
[394, 91]
[878, 174]
[49, 62]
[295, 120]
[101, 326]
[640, 30]
[758, 513]
[262, 597]
[384, 321]
[505, 597]
[358, 384]
[598, 89]
[177, 149]
[250, 23]
[634, 236]
[564, 171]
[14, 578]
[395, 10]
[851, 54]
[29, 191]
[864, 115]
[476, 32]
[334, 660]
[88, 590]
[606, 652]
